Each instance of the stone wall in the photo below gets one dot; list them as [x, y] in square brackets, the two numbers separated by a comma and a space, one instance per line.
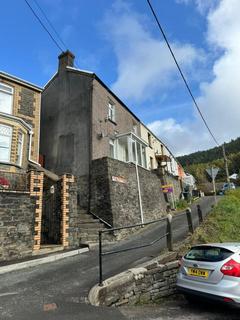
[114, 192]
[17, 211]
[145, 284]
[74, 219]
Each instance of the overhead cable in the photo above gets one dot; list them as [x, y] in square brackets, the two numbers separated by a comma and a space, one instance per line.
[44, 27]
[50, 23]
[181, 73]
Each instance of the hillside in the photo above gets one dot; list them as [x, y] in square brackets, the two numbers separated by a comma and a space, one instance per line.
[210, 155]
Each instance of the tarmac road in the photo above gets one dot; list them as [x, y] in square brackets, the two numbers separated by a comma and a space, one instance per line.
[59, 290]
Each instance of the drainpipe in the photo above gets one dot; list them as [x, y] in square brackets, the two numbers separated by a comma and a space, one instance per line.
[138, 184]
[30, 149]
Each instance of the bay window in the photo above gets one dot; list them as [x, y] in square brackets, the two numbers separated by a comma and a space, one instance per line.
[130, 148]
[5, 142]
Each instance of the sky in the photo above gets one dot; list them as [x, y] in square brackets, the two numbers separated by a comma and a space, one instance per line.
[120, 42]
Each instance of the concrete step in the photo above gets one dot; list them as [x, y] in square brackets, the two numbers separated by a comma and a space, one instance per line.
[94, 226]
[46, 249]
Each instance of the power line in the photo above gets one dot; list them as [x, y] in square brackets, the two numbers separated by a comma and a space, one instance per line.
[50, 23]
[42, 24]
[181, 73]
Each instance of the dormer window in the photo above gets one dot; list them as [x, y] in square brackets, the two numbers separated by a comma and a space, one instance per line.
[111, 111]
[6, 98]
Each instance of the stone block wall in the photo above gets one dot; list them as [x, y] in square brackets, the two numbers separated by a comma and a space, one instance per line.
[115, 197]
[17, 211]
[74, 231]
[142, 285]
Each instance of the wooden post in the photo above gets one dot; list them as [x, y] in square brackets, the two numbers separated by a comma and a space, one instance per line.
[169, 233]
[189, 219]
[200, 216]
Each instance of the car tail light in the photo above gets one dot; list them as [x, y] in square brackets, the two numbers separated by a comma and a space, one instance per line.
[231, 268]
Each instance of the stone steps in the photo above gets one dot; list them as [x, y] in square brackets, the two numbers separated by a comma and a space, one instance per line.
[89, 226]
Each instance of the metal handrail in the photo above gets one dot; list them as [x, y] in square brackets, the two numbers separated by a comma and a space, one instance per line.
[101, 253]
[136, 247]
[108, 225]
[134, 225]
[168, 235]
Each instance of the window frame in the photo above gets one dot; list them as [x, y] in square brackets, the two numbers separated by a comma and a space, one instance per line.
[113, 146]
[10, 142]
[3, 89]
[20, 154]
[111, 112]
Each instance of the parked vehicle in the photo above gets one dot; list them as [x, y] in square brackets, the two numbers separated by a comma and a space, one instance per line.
[228, 186]
[211, 271]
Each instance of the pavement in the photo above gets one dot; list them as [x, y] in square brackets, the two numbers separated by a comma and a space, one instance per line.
[59, 290]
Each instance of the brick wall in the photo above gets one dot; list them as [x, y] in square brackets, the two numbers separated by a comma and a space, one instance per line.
[17, 212]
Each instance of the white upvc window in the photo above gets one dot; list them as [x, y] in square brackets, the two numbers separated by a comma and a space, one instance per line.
[111, 112]
[20, 148]
[5, 143]
[112, 148]
[6, 98]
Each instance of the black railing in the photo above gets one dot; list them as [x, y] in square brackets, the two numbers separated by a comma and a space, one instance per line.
[168, 235]
[108, 225]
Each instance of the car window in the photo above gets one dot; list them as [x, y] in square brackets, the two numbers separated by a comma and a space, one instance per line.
[208, 253]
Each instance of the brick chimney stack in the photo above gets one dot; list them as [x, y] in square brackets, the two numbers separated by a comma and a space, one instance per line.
[65, 59]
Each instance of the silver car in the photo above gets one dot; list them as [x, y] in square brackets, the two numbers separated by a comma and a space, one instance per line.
[211, 271]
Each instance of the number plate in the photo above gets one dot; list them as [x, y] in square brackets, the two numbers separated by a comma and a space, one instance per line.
[198, 272]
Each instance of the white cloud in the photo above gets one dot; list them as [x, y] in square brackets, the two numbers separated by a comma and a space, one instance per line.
[145, 69]
[201, 5]
[179, 137]
[144, 63]
[220, 98]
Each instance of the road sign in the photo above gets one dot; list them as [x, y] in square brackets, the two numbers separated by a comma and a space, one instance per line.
[212, 172]
[168, 188]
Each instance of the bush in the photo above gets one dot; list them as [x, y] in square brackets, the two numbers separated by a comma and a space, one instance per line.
[181, 204]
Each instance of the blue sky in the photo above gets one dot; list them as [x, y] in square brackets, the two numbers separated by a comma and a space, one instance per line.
[119, 41]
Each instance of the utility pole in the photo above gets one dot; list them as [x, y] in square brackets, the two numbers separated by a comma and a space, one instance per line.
[214, 185]
[226, 164]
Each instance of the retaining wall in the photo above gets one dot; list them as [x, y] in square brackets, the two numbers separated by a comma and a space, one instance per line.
[115, 197]
[17, 211]
[145, 284]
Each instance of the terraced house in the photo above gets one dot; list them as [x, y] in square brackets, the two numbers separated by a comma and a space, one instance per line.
[33, 204]
[87, 131]
[19, 123]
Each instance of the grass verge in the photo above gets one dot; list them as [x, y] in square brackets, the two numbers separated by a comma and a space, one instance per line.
[223, 223]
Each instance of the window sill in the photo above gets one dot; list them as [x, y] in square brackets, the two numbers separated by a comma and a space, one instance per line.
[113, 122]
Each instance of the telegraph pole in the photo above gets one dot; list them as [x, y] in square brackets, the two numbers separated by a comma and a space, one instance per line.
[226, 164]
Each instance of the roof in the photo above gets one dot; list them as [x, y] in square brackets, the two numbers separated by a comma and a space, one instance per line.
[20, 81]
[233, 246]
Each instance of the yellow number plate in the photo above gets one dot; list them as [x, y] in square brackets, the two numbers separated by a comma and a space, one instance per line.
[198, 272]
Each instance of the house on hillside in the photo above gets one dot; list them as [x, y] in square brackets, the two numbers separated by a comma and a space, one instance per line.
[88, 131]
